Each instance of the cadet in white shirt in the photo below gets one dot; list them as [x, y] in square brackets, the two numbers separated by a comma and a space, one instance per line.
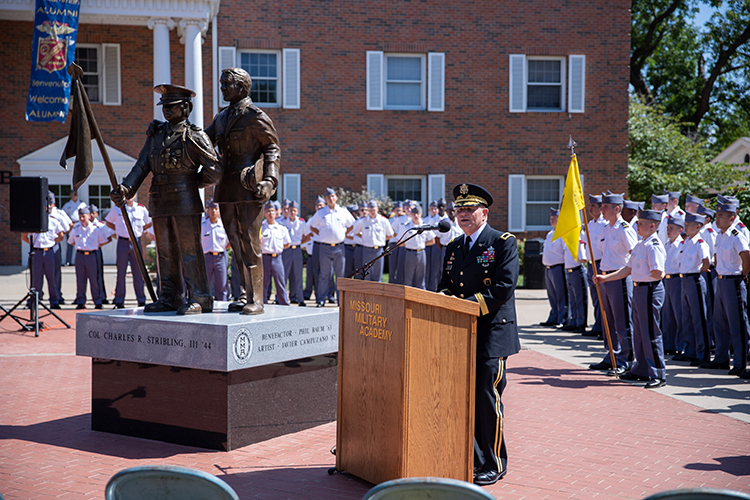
[414, 255]
[618, 239]
[299, 234]
[434, 266]
[575, 278]
[71, 208]
[331, 223]
[141, 221]
[447, 237]
[94, 216]
[671, 317]
[215, 243]
[67, 223]
[659, 203]
[730, 309]
[395, 258]
[694, 260]
[87, 238]
[374, 230]
[646, 269]
[553, 258]
[350, 243]
[708, 233]
[43, 259]
[274, 239]
[595, 226]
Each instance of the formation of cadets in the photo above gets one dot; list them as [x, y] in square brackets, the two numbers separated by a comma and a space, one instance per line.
[337, 241]
[672, 283]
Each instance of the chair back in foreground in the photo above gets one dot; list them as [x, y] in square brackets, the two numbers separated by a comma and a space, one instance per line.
[165, 482]
[433, 488]
[699, 494]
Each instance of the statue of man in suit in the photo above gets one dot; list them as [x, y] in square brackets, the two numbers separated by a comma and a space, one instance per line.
[249, 155]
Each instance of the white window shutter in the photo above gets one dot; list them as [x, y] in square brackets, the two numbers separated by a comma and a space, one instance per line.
[435, 187]
[111, 74]
[227, 59]
[576, 83]
[292, 187]
[436, 81]
[516, 203]
[374, 80]
[291, 77]
[517, 84]
[375, 183]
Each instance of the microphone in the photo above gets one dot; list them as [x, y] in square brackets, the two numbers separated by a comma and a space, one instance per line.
[443, 226]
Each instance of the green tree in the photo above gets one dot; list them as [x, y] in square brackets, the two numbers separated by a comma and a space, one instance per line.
[661, 157]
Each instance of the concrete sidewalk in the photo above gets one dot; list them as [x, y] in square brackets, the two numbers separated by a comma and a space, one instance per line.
[571, 432]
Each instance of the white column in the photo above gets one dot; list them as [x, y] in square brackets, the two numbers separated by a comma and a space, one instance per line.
[194, 65]
[162, 68]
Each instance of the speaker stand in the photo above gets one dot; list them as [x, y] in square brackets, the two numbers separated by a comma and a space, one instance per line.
[33, 322]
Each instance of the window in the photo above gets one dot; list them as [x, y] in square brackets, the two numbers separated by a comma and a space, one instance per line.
[405, 81]
[264, 70]
[99, 196]
[547, 83]
[62, 194]
[529, 201]
[275, 75]
[400, 188]
[101, 72]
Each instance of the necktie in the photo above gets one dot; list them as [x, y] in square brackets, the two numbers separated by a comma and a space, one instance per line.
[467, 245]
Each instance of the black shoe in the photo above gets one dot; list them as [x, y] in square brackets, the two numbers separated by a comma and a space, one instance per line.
[119, 306]
[80, 306]
[320, 304]
[62, 301]
[620, 370]
[141, 304]
[681, 357]
[569, 328]
[486, 478]
[98, 306]
[591, 333]
[654, 383]
[235, 306]
[331, 301]
[630, 376]
[734, 371]
[745, 375]
[54, 306]
[158, 307]
[548, 323]
[716, 365]
[302, 304]
[580, 330]
[670, 352]
[600, 366]
[105, 301]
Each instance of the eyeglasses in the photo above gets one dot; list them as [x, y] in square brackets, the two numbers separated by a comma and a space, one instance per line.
[468, 210]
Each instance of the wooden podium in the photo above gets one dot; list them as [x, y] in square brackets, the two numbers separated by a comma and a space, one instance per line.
[405, 383]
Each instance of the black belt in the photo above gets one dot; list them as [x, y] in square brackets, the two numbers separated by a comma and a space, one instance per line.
[416, 250]
[373, 248]
[292, 247]
[670, 276]
[124, 238]
[43, 249]
[604, 273]
[329, 244]
[730, 276]
[271, 254]
[86, 252]
[646, 283]
[214, 253]
[689, 275]
[351, 244]
[554, 266]
[572, 269]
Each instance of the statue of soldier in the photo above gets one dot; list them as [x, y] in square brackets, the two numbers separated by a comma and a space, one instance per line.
[174, 152]
[249, 152]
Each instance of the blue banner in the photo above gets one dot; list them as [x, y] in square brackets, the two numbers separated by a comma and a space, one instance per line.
[54, 48]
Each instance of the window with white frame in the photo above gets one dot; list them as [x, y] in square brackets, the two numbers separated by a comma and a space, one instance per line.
[101, 72]
[99, 196]
[405, 81]
[275, 75]
[529, 201]
[547, 83]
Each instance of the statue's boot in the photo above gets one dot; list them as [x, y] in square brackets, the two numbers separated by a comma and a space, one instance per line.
[254, 281]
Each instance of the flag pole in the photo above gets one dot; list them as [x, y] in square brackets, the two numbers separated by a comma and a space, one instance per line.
[572, 144]
[76, 72]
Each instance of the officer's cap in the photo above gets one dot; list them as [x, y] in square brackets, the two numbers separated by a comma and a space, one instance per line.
[320, 199]
[471, 195]
[372, 204]
[554, 211]
[659, 198]
[362, 204]
[269, 205]
[595, 198]
[210, 203]
[690, 217]
[693, 199]
[286, 202]
[171, 94]
[93, 208]
[632, 205]
[727, 207]
[450, 206]
[416, 209]
[398, 204]
[726, 200]
[294, 204]
[353, 207]
[673, 195]
[84, 211]
[50, 197]
[441, 202]
[329, 192]
[676, 220]
[649, 215]
[433, 204]
[613, 198]
[705, 211]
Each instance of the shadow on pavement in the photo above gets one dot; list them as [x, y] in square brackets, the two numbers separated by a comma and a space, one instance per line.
[737, 466]
[75, 433]
[295, 482]
[557, 378]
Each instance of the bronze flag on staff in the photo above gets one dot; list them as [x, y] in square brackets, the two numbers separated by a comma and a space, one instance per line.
[79, 139]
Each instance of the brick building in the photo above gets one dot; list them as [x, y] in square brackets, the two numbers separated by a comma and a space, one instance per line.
[407, 98]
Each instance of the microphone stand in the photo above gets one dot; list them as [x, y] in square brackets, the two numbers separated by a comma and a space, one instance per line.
[365, 270]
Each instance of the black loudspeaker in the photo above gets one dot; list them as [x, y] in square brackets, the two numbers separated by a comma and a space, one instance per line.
[28, 204]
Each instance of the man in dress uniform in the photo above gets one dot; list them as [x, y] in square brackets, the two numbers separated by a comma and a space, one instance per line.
[313, 260]
[331, 223]
[730, 309]
[709, 234]
[646, 268]
[595, 227]
[482, 266]
[673, 203]
[141, 221]
[274, 239]
[618, 239]
[249, 152]
[67, 223]
[350, 243]
[94, 216]
[87, 238]
[671, 317]
[433, 269]
[43, 258]
[394, 259]
[299, 234]
[71, 208]
[174, 152]
[659, 203]
[374, 230]
[414, 261]
[215, 243]
[630, 211]
[553, 258]
[575, 280]
[362, 212]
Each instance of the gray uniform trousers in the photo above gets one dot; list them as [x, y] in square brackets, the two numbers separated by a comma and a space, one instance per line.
[58, 268]
[433, 268]
[70, 252]
[394, 265]
[331, 261]
[292, 258]
[86, 270]
[125, 256]
[671, 314]
[557, 293]
[414, 264]
[695, 321]
[273, 267]
[313, 269]
[43, 266]
[648, 299]
[349, 252]
[730, 321]
[100, 274]
[617, 299]
[234, 282]
[575, 278]
[358, 261]
[216, 271]
[597, 327]
[376, 271]
[711, 277]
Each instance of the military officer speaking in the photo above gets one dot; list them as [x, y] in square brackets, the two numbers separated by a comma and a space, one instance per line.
[482, 266]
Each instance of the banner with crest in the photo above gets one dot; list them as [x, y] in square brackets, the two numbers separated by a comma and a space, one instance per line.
[55, 32]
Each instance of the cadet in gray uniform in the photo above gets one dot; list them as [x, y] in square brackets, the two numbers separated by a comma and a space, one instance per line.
[671, 316]
[414, 261]
[43, 259]
[141, 221]
[374, 230]
[94, 213]
[313, 262]
[215, 243]
[87, 238]
[553, 258]
[595, 227]
[350, 247]
[274, 239]
[575, 278]
[299, 234]
[394, 259]
[618, 239]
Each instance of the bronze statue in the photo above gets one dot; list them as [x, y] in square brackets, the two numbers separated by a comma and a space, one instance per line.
[249, 153]
[174, 152]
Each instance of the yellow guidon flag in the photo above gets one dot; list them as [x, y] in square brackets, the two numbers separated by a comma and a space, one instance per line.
[569, 221]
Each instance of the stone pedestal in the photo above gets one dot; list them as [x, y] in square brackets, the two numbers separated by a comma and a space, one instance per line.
[219, 380]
